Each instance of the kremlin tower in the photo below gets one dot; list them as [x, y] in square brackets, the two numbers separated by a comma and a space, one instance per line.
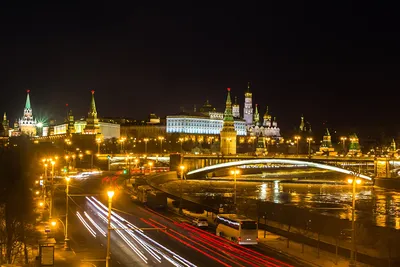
[248, 106]
[228, 132]
[236, 109]
[92, 122]
[27, 124]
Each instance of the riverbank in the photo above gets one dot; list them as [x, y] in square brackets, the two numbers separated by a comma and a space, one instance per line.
[381, 242]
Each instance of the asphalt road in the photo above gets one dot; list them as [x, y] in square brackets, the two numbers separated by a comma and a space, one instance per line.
[176, 244]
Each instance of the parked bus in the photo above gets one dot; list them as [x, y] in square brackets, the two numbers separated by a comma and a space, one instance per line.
[156, 199]
[237, 228]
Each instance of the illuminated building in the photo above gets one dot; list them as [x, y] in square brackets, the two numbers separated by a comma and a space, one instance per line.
[27, 124]
[228, 132]
[206, 122]
[304, 126]
[91, 125]
[236, 109]
[354, 148]
[269, 127]
[5, 125]
[248, 106]
[256, 117]
[326, 144]
[92, 122]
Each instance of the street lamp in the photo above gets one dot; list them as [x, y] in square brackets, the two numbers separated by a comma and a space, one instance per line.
[161, 138]
[52, 189]
[150, 165]
[181, 141]
[309, 139]
[234, 173]
[145, 145]
[110, 196]
[66, 240]
[353, 182]
[343, 139]
[54, 224]
[182, 168]
[297, 138]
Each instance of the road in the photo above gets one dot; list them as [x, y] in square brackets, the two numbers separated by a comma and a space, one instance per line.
[142, 237]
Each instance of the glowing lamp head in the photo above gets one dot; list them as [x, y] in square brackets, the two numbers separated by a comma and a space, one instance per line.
[110, 194]
[358, 181]
[182, 167]
[350, 181]
[37, 192]
[67, 179]
[53, 223]
[41, 204]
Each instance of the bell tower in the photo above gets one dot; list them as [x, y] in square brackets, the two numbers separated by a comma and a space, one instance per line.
[228, 132]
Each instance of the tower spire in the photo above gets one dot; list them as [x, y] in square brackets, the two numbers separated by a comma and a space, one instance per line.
[28, 101]
[228, 116]
[248, 87]
[5, 116]
[93, 111]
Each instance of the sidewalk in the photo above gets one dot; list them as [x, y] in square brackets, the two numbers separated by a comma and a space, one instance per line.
[310, 254]
[62, 257]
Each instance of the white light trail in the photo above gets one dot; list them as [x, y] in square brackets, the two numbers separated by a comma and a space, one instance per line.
[279, 161]
[95, 224]
[86, 224]
[120, 222]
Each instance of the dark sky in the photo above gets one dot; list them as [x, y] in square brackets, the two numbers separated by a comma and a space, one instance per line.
[335, 62]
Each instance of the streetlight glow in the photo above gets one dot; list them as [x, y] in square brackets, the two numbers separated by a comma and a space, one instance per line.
[110, 194]
[350, 181]
[53, 223]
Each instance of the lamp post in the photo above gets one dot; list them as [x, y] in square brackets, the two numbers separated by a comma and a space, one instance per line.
[161, 138]
[44, 182]
[234, 173]
[182, 168]
[343, 139]
[353, 181]
[52, 189]
[110, 196]
[297, 138]
[309, 139]
[145, 145]
[66, 240]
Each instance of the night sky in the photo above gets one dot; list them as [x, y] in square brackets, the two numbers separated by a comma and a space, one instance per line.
[337, 64]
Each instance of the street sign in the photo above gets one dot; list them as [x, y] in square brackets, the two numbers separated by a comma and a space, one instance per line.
[47, 255]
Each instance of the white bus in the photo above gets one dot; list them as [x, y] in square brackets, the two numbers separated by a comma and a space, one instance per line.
[237, 228]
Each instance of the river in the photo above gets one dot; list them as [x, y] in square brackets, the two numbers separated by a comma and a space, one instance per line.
[376, 206]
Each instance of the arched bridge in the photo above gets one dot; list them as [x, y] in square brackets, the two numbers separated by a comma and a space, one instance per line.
[215, 167]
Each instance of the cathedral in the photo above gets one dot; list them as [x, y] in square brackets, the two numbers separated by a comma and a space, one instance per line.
[255, 127]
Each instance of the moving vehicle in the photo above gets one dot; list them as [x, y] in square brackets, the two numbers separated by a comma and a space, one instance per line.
[200, 222]
[237, 228]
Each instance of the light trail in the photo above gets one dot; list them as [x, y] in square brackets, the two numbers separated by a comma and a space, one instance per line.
[85, 224]
[126, 229]
[95, 224]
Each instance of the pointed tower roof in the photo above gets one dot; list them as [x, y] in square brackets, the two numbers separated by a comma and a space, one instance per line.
[236, 102]
[28, 101]
[93, 110]
[5, 117]
[248, 88]
[228, 116]
[266, 115]
[327, 132]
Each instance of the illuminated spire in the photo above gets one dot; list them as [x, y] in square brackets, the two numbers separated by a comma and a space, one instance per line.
[28, 101]
[248, 87]
[228, 116]
[256, 116]
[5, 117]
[93, 111]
